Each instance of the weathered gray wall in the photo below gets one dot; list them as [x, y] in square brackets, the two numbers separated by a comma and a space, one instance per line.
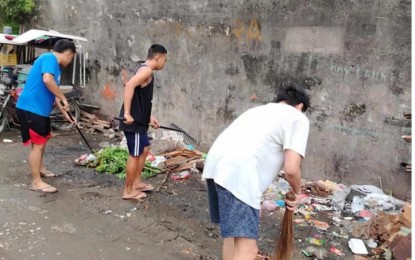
[353, 56]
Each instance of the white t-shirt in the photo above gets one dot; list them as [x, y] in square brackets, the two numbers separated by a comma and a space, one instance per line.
[247, 155]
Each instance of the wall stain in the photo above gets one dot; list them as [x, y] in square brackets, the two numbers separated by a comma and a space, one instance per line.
[253, 66]
[232, 70]
[107, 92]
[353, 110]
[397, 122]
[227, 112]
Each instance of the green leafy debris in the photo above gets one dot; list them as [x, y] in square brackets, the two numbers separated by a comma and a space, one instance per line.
[113, 160]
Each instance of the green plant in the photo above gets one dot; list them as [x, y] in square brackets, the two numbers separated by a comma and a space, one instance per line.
[15, 12]
[113, 159]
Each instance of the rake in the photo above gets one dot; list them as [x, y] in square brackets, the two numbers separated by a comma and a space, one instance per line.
[79, 130]
[172, 127]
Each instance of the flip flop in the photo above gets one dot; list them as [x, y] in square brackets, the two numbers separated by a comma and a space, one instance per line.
[147, 187]
[47, 174]
[47, 189]
[139, 196]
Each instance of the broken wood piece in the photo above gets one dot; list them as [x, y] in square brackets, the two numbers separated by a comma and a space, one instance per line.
[407, 115]
[101, 129]
[177, 165]
[88, 115]
[174, 160]
[164, 180]
[189, 165]
[407, 138]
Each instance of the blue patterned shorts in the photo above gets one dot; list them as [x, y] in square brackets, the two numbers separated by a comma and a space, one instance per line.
[236, 218]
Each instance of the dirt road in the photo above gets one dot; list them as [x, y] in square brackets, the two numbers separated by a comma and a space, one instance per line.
[87, 219]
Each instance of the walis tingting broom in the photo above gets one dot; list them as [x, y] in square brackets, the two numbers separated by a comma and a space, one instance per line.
[285, 244]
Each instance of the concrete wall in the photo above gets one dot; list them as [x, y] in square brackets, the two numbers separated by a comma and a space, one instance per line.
[227, 56]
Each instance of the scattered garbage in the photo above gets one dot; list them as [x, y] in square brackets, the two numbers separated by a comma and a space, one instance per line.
[108, 211]
[7, 141]
[280, 203]
[181, 176]
[357, 246]
[112, 160]
[357, 204]
[371, 243]
[318, 253]
[315, 241]
[336, 251]
[268, 205]
[363, 216]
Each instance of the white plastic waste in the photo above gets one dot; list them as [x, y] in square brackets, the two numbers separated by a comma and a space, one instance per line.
[366, 189]
[339, 196]
[382, 202]
[357, 246]
[283, 185]
[358, 204]
[123, 143]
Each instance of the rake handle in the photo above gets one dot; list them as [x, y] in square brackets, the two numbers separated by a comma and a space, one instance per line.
[138, 123]
[77, 128]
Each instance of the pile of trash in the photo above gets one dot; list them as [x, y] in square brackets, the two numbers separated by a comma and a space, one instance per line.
[373, 223]
[180, 162]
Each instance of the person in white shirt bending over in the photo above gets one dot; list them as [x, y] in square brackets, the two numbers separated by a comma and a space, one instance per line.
[244, 160]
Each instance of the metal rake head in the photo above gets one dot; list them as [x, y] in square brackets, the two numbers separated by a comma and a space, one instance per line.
[185, 135]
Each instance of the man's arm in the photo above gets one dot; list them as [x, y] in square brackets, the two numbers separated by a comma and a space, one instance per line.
[139, 78]
[64, 113]
[292, 170]
[51, 84]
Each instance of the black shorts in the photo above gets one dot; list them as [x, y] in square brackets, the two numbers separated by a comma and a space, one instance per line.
[34, 128]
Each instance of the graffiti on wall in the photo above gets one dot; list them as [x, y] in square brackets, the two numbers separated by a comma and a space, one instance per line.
[360, 72]
[247, 31]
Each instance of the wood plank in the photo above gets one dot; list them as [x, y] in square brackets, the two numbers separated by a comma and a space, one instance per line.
[189, 164]
[174, 160]
[88, 115]
[407, 138]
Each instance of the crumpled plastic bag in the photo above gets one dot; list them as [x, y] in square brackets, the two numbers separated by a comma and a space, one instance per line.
[382, 202]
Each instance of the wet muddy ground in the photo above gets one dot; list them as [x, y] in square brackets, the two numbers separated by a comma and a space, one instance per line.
[87, 219]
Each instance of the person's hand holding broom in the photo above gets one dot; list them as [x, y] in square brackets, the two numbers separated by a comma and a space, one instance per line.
[285, 243]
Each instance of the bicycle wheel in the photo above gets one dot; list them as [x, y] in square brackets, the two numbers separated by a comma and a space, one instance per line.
[57, 122]
[4, 120]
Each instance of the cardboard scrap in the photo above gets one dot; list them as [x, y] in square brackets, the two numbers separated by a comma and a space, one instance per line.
[401, 247]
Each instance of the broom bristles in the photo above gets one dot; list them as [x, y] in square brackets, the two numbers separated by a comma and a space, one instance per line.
[285, 244]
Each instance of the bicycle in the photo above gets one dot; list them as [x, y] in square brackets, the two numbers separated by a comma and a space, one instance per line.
[8, 100]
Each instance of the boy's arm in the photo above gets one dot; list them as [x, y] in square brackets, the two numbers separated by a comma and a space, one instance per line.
[139, 78]
[64, 113]
[50, 83]
[292, 170]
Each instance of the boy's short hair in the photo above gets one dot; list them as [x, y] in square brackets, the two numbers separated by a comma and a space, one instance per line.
[63, 45]
[155, 49]
[293, 95]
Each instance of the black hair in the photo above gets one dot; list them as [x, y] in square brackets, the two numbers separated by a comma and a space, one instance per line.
[293, 95]
[63, 45]
[154, 49]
